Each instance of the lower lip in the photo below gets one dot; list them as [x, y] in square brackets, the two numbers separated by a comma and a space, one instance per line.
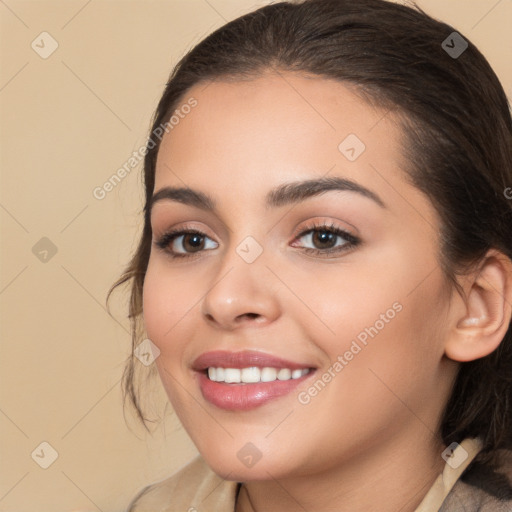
[244, 397]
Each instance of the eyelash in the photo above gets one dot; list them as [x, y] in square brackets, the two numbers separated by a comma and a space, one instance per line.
[351, 241]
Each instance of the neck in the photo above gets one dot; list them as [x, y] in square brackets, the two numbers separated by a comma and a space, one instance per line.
[363, 485]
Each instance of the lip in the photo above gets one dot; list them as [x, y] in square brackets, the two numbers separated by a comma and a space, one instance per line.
[243, 359]
[244, 397]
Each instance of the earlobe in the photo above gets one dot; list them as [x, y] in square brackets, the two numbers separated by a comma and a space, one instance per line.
[483, 318]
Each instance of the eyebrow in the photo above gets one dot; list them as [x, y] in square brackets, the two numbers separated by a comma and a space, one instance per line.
[283, 195]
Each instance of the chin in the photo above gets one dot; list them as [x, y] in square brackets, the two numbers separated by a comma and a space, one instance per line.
[230, 468]
[244, 461]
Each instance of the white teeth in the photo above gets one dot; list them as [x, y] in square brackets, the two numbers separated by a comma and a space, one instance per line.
[253, 374]
[232, 375]
[284, 374]
[268, 374]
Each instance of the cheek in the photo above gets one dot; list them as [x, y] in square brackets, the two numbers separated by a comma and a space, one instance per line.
[167, 300]
[157, 311]
[393, 345]
[382, 368]
[385, 315]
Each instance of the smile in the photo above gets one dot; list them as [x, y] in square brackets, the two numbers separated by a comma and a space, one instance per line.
[241, 381]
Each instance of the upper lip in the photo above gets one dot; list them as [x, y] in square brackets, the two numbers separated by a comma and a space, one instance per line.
[243, 359]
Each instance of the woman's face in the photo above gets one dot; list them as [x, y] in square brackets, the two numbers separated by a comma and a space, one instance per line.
[311, 273]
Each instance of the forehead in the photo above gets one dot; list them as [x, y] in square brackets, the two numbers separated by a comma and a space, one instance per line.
[263, 122]
[243, 138]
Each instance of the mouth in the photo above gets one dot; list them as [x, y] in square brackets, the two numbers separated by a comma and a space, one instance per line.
[241, 381]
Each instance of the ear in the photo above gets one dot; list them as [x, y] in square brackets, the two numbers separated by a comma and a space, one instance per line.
[482, 317]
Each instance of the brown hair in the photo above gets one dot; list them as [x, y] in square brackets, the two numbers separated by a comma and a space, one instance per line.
[457, 139]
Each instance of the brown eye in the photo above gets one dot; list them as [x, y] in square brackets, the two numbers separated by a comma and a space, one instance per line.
[191, 242]
[182, 243]
[324, 239]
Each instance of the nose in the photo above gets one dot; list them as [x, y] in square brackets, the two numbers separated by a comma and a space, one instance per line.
[242, 294]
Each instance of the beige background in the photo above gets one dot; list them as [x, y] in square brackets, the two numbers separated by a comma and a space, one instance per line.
[68, 122]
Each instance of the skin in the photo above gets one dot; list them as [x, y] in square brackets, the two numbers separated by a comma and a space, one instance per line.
[371, 435]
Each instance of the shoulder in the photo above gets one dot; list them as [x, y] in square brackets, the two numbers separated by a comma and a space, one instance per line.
[483, 488]
[187, 490]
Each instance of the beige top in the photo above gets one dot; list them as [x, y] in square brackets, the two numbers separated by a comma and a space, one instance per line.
[196, 488]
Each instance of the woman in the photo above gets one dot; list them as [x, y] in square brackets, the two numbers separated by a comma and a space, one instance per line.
[325, 267]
